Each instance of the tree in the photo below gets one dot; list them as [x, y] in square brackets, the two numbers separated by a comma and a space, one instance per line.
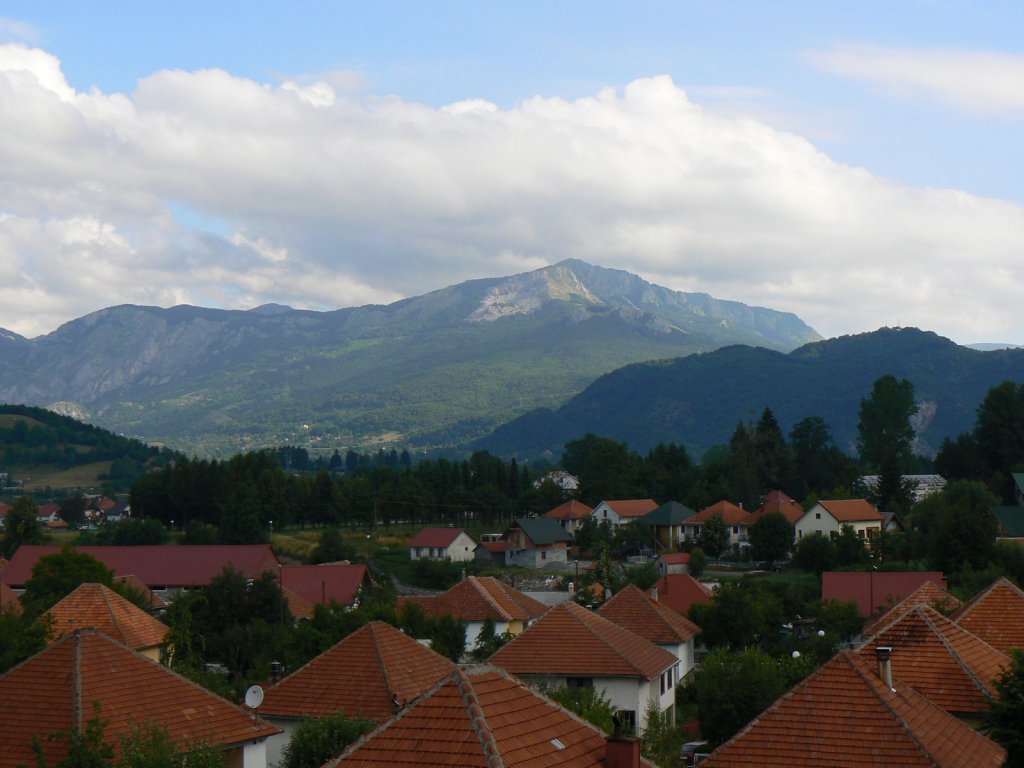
[714, 535]
[133, 531]
[72, 510]
[317, 740]
[772, 455]
[738, 616]
[1004, 721]
[488, 641]
[885, 438]
[586, 702]
[959, 532]
[698, 562]
[999, 436]
[850, 549]
[148, 745]
[771, 537]
[815, 553]
[22, 526]
[332, 548]
[819, 466]
[606, 469]
[56, 576]
[448, 638]
[22, 637]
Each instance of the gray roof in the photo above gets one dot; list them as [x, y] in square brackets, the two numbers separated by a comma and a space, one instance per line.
[1011, 521]
[669, 513]
[543, 530]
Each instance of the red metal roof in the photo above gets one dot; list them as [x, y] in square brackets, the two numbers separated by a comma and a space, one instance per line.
[437, 538]
[872, 590]
[56, 690]
[323, 584]
[166, 565]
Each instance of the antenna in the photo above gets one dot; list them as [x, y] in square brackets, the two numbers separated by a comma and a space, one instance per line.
[253, 697]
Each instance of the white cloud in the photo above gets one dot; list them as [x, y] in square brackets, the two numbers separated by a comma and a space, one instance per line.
[15, 29]
[339, 198]
[981, 82]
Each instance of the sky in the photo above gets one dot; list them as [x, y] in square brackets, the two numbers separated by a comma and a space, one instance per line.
[856, 163]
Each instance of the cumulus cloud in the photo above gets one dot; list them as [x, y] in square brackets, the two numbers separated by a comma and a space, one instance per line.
[981, 82]
[327, 197]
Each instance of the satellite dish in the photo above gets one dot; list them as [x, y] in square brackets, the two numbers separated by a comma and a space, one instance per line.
[253, 696]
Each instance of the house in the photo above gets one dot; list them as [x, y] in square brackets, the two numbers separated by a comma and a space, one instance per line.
[99, 607]
[328, 583]
[735, 517]
[476, 599]
[620, 511]
[1009, 522]
[673, 562]
[828, 517]
[561, 478]
[491, 552]
[162, 567]
[874, 590]
[48, 513]
[572, 646]
[930, 593]
[996, 615]
[371, 674]
[60, 689]
[536, 542]
[940, 660]
[919, 486]
[667, 522]
[679, 591]
[846, 715]
[643, 615]
[442, 544]
[570, 515]
[481, 716]
[777, 501]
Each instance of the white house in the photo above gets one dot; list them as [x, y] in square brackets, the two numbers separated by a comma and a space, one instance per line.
[829, 516]
[443, 544]
[620, 511]
[574, 647]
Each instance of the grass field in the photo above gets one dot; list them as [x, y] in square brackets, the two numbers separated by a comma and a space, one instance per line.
[8, 420]
[83, 476]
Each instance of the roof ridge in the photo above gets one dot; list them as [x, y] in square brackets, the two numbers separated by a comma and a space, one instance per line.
[113, 615]
[76, 681]
[600, 636]
[375, 641]
[478, 585]
[465, 689]
[971, 604]
[957, 656]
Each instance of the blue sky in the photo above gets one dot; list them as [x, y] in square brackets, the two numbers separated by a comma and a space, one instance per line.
[855, 163]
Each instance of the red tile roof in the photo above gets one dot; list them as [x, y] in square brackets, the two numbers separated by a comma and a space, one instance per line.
[928, 593]
[653, 621]
[996, 615]
[631, 508]
[844, 716]
[298, 606]
[731, 514]
[679, 591]
[362, 675]
[134, 583]
[570, 510]
[102, 609]
[675, 558]
[477, 598]
[940, 660]
[570, 640]
[777, 501]
[8, 599]
[436, 537]
[56, 689]
[168, 565]
[323, 584]
[480, 717]
[875, 589]
[851, 510]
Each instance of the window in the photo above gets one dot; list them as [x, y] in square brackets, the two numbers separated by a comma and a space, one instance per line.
[543, 555]
[575, 683]
[627, 720]
[817, 515]
[735, 529]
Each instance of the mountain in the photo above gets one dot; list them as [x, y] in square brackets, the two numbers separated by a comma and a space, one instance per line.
[433, 370]
[698, 400]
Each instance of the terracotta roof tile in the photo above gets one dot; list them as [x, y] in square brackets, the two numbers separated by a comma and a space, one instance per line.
[478, 717]
[570, 640]
[929, 593]
[638, 613]
[570, 510]
[102, 609]
[851, 510]
[436, 537]
[939, 659]
[844, 716]
[996, 615]
[477, 598]
[133, 582]
[777, 501]
[679, 591]
[361, 675]
[298, 606]
[675, 558]
[55, 690]
[731, 514]
[631, 508]
[180, 565]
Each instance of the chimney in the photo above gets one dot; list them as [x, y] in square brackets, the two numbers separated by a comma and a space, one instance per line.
[623, 752]
[883, 654]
